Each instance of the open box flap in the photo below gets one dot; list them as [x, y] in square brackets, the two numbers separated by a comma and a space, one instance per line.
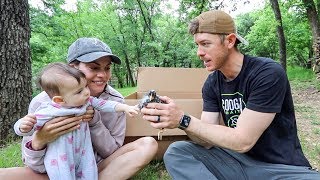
[173, 95]
[184, 85]
[170, 80]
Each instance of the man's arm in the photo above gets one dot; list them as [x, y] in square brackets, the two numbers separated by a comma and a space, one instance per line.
[206, 117]
[250, 126]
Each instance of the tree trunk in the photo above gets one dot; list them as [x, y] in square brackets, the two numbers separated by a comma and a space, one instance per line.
[15, 67]
[280, 33]
[314, 24]
[312, 18]
[316, 47]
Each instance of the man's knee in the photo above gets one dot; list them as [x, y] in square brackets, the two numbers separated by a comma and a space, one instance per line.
[174, 149]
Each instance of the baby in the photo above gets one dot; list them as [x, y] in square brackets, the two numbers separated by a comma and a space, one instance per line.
[71, 155]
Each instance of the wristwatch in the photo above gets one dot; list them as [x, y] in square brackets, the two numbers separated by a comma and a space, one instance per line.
[184, 121]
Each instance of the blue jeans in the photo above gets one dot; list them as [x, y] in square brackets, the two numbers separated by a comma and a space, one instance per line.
[186, 160]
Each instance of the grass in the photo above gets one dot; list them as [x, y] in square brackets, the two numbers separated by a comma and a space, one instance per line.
[10, 155]
[299, 73]
[302, 78]
[154, 171]
[126, 91]
[315, 121]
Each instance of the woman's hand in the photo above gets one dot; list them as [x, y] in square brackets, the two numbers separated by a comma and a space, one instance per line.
[163, 115]
[54, 129]
[88, 115]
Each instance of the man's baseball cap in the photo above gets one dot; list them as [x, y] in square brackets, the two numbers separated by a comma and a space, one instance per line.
[90, 49]
[218, 22]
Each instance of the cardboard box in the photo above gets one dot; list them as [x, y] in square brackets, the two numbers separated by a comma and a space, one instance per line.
[184, 85]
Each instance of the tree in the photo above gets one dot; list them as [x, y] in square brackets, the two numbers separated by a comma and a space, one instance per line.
[280, 33]
[15, 68]
[313, 18]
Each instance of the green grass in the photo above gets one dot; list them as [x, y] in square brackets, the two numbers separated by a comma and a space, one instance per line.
[154, 171]
[315, 121]
[126, 91]
[10, 155]
[302, 78]
[316, 131]
[299, 73]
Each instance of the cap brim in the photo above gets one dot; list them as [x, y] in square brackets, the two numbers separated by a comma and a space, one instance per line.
[96, 55]
[242, 40]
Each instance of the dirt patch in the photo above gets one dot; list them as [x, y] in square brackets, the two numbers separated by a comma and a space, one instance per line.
[307, 106]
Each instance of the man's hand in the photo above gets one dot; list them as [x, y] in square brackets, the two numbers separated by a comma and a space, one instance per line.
[163, 115]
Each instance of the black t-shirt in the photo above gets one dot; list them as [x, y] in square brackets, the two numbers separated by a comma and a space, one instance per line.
[262, 85]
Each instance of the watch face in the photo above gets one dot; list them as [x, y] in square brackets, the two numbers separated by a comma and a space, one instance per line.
[184, 122]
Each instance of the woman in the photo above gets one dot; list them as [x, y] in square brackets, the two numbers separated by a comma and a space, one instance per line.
[94, 59]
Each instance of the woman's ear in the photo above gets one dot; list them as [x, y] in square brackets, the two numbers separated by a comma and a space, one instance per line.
[58, 99]
[73, 65]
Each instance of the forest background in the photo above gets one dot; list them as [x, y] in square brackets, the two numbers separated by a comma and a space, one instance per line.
[147, 33]
[153, 33]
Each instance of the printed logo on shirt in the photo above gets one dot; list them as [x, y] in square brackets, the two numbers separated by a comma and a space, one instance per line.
[232, 105]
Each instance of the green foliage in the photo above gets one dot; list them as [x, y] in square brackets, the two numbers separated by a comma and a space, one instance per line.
[262, 36]
[259, 28]
[141, 33]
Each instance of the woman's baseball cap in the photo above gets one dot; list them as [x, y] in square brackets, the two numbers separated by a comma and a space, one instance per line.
[218, 22]
[90, 49]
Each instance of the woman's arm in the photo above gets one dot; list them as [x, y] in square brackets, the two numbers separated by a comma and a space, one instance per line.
[107, 132]
[108, 128]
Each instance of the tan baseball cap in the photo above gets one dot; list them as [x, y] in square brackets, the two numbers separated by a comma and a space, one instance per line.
[218, 22]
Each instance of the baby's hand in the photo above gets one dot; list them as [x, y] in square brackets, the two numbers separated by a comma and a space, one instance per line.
[27, 123]
[132, 110]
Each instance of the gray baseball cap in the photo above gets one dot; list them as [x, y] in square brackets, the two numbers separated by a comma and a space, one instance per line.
[90, 49]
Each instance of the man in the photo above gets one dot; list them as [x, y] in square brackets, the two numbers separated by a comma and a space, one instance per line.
[247, 128]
